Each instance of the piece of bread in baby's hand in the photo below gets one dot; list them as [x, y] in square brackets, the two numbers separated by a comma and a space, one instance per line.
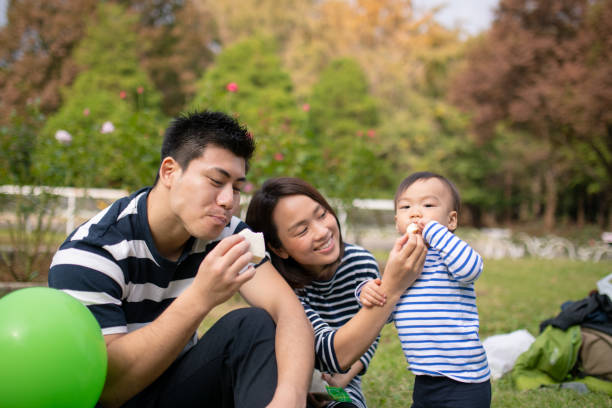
[412, 228]
[257, 244]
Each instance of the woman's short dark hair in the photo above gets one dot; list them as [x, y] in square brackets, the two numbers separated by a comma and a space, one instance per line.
[260, 218]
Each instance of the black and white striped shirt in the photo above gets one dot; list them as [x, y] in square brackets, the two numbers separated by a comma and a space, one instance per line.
[111, 265]
[330, 304]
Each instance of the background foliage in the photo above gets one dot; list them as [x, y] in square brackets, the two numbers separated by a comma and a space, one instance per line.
[351, 96]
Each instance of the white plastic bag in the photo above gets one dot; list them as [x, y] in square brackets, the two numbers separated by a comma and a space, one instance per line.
[503, 350]
[604, 286]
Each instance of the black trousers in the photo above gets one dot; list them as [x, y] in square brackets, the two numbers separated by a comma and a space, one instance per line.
[233, 365]
[442, 392]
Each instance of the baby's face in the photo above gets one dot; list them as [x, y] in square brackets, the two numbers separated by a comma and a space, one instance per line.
[423, 201]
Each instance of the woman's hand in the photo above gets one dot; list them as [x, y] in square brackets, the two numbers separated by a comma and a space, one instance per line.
[405, 263]
[342, 380]
[317, 400]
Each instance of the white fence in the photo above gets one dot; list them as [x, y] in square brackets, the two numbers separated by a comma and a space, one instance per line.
[71, 194]
[368, 228]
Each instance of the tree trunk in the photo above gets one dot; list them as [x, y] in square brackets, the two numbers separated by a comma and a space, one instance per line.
[508, 198]
[536, 196]
[580, 215]
[551, 199]
[523, 211]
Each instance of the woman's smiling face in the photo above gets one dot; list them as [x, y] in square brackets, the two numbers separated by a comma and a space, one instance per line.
[308, 232]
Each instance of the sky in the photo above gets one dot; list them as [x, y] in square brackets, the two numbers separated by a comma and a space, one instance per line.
[3, 4]
[471, 15]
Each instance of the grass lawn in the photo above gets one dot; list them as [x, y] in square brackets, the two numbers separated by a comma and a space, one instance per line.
[512, 295]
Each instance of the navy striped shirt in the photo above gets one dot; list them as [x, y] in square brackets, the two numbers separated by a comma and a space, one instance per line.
[436, 318]
[330, 304]
[111, 265]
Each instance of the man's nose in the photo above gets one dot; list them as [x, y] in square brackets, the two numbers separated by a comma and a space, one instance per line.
[225, 198]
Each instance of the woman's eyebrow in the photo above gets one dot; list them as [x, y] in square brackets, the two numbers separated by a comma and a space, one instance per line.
[297, 224]
[305, 222]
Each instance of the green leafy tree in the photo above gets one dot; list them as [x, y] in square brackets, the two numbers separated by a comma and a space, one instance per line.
[36, 52]
[174, 46]
[29, 229]
[247, 81]
[111, 113]
[544, 69]
[342, 123]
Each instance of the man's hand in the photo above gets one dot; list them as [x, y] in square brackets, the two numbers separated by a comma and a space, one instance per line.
[219, 276]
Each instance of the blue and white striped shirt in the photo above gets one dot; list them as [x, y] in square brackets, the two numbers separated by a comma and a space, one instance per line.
[436, 318]
[330, 304]
[111, 265]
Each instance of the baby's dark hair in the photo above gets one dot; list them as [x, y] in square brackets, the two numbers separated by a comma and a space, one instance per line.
[426, 175]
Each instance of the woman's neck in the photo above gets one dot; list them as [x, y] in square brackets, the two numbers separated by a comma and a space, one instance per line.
[326, 272]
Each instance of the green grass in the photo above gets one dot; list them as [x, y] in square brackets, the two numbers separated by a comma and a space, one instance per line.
[512, 295]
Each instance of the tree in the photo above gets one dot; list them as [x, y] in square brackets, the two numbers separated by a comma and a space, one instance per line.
[175, 40]
[343, 120]
[384, 37]
[37, 43]
[35, 52]
[29, 230]
[247, 81]
[238, 20]
[106, 133]
[545, 69]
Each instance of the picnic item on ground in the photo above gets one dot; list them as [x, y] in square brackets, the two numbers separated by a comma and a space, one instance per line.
[52, 351]
[503, 350]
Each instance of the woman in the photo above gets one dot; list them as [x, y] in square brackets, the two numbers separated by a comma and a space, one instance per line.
[303, 238]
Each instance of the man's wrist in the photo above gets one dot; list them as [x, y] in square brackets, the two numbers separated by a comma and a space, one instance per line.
[195, 303]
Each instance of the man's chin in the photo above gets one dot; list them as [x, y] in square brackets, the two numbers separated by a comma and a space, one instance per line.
[208, 233]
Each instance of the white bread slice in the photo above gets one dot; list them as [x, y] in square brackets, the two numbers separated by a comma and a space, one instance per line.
[412, 228]
[257, 243]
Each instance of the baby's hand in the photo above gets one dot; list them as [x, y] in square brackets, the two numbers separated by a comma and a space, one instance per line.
[371, 294]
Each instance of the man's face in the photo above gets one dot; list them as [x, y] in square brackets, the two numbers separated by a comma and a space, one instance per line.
[204, 195]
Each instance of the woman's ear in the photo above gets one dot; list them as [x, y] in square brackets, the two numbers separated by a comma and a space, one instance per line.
[280, 252]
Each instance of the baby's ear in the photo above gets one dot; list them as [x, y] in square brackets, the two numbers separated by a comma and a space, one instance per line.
[452, 221]
[280, 252]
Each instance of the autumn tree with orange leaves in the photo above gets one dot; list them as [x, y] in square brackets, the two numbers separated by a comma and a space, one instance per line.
[545, 69]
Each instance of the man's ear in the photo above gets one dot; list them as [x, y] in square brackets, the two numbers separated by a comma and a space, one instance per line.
[452, 221]
[168, 168]
[280, 252]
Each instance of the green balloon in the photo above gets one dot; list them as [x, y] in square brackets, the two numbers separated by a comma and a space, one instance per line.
[52, 352]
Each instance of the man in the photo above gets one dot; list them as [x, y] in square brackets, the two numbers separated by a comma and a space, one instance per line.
[151, 266]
